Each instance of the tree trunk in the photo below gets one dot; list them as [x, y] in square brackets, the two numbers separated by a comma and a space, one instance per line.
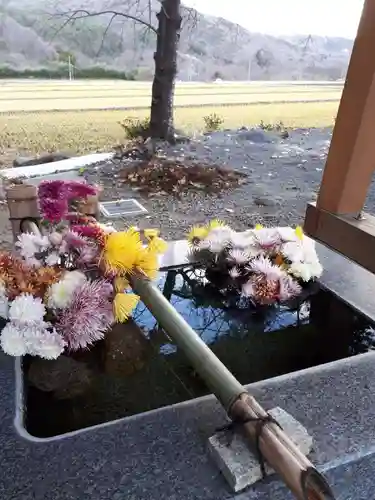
[161, 121]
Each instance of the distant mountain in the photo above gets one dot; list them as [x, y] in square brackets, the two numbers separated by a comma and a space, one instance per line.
[210, 47]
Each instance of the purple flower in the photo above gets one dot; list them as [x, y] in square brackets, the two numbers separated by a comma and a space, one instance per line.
[52, 189]
[54, 197]
[87, 255]
[77, 189]
[52, 209]
[88, 317]
[74, 240]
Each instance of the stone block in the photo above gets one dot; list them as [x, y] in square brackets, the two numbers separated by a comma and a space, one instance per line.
[237, 462]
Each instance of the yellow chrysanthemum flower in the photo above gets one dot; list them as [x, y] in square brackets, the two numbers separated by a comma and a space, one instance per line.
[151, 233]
[157, 245]
[299, 232]
[214, 224]
[148, 263]
[197, 233]
[121, 250]
[123, 305]
[258, 226]
[121, 284]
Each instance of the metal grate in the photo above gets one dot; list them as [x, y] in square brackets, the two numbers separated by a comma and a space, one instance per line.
[119, 208]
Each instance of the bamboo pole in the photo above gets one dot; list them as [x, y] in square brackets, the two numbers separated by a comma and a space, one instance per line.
[296, 470]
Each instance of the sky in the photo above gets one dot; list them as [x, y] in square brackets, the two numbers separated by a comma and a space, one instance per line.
[288, 17]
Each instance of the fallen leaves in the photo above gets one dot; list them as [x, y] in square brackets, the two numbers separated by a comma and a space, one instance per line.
[160, 176]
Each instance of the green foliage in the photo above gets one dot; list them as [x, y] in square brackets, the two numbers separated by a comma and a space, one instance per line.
[93, 73]
[136, 127]
[278, 127]
[217, 76]
[213, 122]
[64, 56]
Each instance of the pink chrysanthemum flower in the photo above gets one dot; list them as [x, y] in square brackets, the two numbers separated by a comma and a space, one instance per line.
[289, 288]
[87, 255]
[74, 240]
[263, 266]
[268, 283]
[93, 232]
[248, 289]
[88, 317]
[261, 290]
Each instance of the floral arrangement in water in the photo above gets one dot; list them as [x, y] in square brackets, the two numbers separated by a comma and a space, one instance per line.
[66, 287]
[265, 265]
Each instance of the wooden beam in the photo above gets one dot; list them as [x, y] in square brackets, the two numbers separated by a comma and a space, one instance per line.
[353, 238]
[351, 159]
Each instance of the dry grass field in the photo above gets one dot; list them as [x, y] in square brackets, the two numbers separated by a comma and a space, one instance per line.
[81, 116]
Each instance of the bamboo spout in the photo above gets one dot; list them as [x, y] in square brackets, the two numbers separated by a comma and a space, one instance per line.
[295, 469]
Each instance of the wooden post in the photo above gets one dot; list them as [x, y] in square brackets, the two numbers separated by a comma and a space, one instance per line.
[90, 206]
[351, 159]
[22, 202]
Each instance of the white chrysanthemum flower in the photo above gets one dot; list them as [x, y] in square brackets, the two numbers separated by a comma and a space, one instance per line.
[293, 251]
[4, 302]
[267, 237]
[287, 234]
[42, 242]
[53, 259]
[306, 270]
[222, 231]
[234, 273]
[55, 238]
[27, 309]
[253, 251]
[241, 240]
[300, 251]
[214, 243]
[239, 256]
[107, 228]
[12, 340]
[217, 245]
[248, 289]
[29, 244]
[60, 294]
[77, 278]
[43, 343]
[26, 245]
[33, 262]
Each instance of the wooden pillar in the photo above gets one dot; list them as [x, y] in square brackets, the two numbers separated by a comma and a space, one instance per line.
[351, 159]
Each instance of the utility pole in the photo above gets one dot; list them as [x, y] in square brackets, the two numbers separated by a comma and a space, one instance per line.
[70, 68]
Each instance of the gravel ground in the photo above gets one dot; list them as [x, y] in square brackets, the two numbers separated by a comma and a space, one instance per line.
[283, 176]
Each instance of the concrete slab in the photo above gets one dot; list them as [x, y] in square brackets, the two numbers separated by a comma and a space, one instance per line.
[71, 175]
[54, 167]
[239, 465]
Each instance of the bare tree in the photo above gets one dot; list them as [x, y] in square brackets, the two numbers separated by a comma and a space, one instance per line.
[167, 40]
[168, 36]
